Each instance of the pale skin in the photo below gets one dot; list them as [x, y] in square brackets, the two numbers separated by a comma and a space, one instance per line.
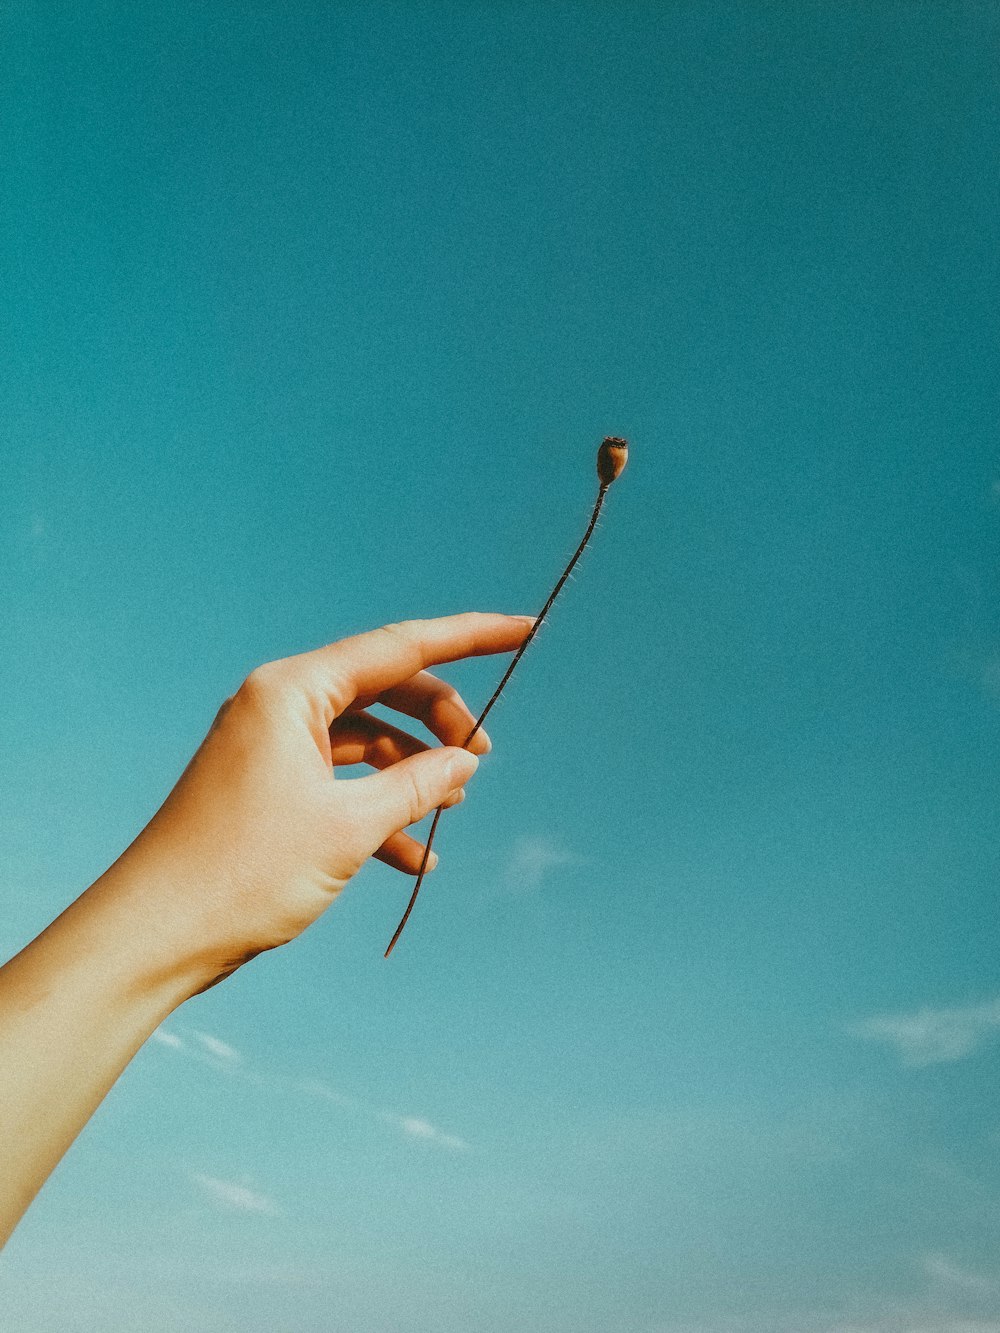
[252, 845]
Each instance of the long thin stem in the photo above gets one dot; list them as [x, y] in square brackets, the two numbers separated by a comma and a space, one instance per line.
[496, 695]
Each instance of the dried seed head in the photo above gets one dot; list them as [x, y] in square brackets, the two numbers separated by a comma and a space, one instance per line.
[611, 459]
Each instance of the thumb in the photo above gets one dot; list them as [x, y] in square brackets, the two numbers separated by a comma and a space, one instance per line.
[408, 790]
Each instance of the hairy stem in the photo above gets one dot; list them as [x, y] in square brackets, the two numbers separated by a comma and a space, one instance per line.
[496, 695]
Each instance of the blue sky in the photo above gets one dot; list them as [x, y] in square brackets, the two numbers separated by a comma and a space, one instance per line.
[313, 317]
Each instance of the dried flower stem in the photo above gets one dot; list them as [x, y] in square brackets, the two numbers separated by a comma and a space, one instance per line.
[610, 463]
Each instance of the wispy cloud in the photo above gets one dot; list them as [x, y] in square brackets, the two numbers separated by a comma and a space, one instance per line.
[216, 1049]
[234, 1196]
[170, 1039]
[949, 1274]
[201, 1046]
[415, 1128]
[934, 1036]
[314, 1087]
[532, 858]
[220, 1055]
[978, 662]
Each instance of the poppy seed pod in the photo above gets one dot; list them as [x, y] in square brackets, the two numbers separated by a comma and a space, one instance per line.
[611, 459]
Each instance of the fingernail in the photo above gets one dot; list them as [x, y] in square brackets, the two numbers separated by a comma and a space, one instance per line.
[460, 768]
[432, 861]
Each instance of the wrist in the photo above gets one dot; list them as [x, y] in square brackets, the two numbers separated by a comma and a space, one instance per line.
[140, 937]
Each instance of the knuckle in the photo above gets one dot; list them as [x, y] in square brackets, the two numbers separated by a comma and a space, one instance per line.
[340, 690]
[405, 635]
[261, 686]
[259, 679]
[225, 708]
[400, 629]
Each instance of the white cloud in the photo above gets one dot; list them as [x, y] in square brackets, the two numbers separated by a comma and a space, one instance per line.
[416, 1128]
[220, 1051]
[202, 1046]
[934, 1036]
[231, 1195]
[412, 1126]
[419, 1129]
[944, 1271]
[532, 858]
[168, 1039]
[979, 664]
[314, 1087]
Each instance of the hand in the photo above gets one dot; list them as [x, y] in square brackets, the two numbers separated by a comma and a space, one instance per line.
[258, 837]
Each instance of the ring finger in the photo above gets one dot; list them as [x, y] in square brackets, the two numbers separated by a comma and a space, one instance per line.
[361, 738]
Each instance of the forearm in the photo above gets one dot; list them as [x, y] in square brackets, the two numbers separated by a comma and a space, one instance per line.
[75, 1006]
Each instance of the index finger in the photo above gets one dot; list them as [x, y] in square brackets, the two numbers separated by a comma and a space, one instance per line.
[375, 661]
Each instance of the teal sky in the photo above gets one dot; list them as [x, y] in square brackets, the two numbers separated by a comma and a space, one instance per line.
[312, 317]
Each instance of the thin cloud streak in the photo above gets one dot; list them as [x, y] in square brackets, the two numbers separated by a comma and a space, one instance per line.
[168, 1039]
[416, 1128]
[233, 1196]
[934, 1036]
[202, 1046]
[533, 858]
[220, 1055]
[413, 1127]
[314, 1087]
[218, 1050]
[943, 1270]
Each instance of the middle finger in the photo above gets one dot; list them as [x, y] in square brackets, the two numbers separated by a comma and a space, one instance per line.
[360, 738]
[439, 706]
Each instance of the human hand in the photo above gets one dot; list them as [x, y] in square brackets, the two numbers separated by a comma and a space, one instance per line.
[258, 836]
[254, 842]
